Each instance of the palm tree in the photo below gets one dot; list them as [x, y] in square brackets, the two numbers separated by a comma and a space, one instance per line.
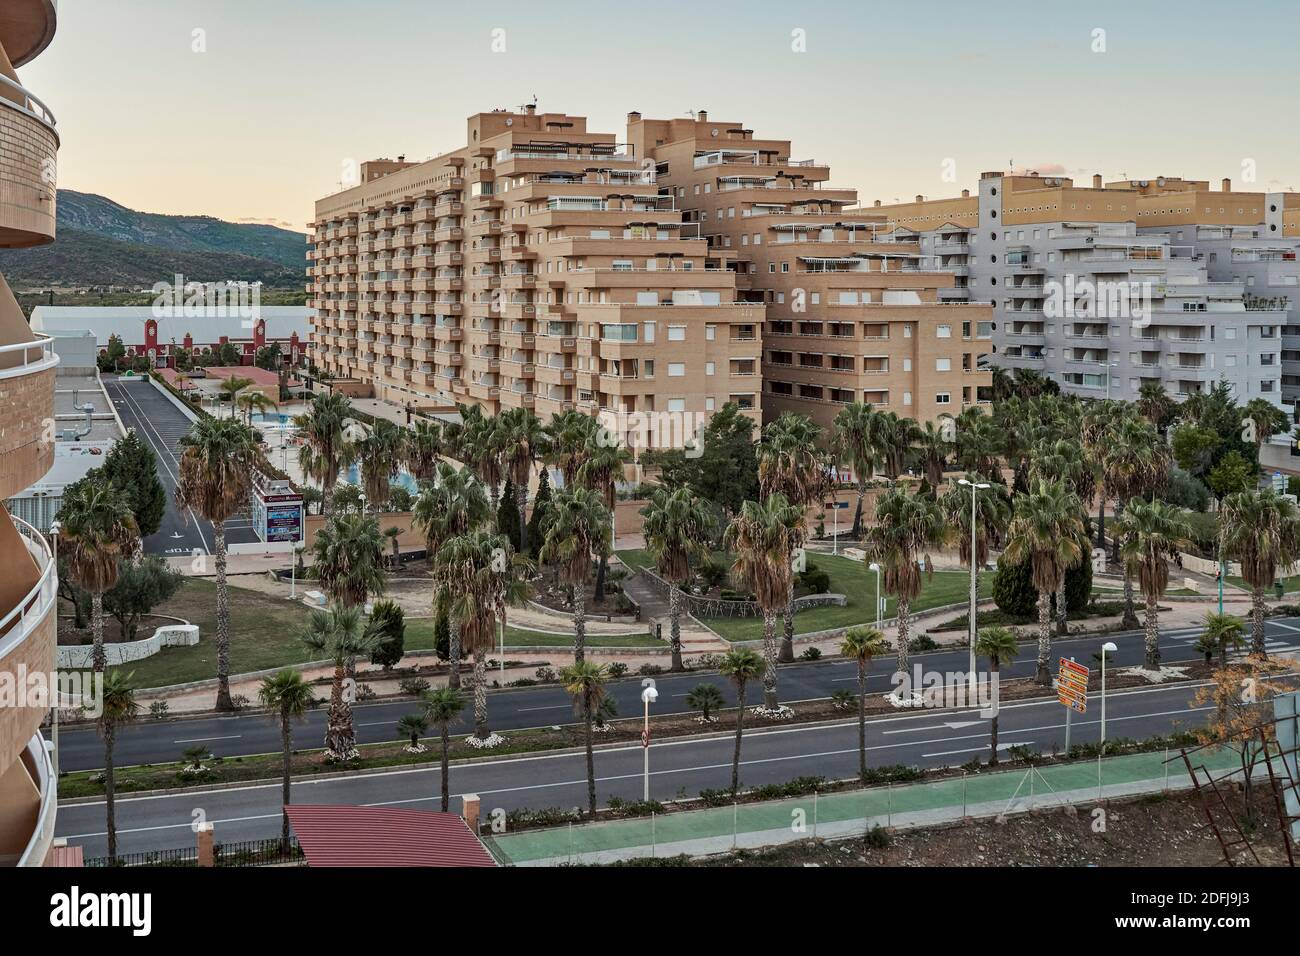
[441, 707]
[453, 506]
[473, 567]
[907, 528]
[741, 665]
[933, 446]
[117, 706]
[1261, 531]
[1046, 530]
[97, 531]
[326, 448]
[585, 683]
[979, 442]
[381, 454]
[762, 537]
[340, 635]
[862, 644]
[993, 514]
[570, 440]
[1062, 460]
[232, 386]
[1152, 533]
[255, 402]
[424, 449]
[218, 457]
[1096, 428]
[1154, 403]
[856, 439]
[348, 556]
[392, 534]
[999, 645]
[411, 727]
[576, 525]
[1223, 632]
[523, 445]
[678, 527]
[602, 469]
[1266, 420]
[706, 698]
[288, 693]
[478, 445]
[1134, 462]
[899, 435]
[790, 464]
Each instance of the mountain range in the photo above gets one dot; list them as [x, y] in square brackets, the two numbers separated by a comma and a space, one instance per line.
[103, 243]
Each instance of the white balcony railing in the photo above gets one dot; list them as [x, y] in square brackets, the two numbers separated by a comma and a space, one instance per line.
[18, 624]
[28, 103]
[27, 358]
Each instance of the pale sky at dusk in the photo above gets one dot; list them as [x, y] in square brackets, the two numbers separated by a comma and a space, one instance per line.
[259, 125]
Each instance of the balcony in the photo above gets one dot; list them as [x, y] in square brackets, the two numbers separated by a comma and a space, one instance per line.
[31, 144]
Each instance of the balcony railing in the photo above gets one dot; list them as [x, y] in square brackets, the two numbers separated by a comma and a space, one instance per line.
[17, 625]
[27, 103]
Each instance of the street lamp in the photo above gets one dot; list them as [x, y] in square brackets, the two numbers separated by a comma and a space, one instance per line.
[648, 696]
[974, 512]
[875, 567]
[1107, 648]
[1108, 366]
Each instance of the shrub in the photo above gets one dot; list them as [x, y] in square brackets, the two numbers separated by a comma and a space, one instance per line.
[414, 686]
[617, 669]
[1078, 587]
[921, 643]
[811, 654]
[1013, 588]
[158, 709]
[649, 670]
[389, 623]
[843, 699]
[814, 580]
[877, 838]
[711, 573]
[546, 675]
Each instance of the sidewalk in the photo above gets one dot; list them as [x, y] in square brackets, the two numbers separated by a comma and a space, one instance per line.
[851, 813]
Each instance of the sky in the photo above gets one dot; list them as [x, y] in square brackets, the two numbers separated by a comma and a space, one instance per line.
[248, 110]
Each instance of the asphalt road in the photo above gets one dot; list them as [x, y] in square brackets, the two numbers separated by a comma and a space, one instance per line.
[770, 755]
[152, 741]
[162, 425]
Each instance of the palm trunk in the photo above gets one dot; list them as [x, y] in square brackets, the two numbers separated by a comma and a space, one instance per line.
[1101, 519]
[110, 814]
[453, 650]
[993, 728]
[1257, 612]
[1130, 620]
[1044, 675]
[862, 721]
[740, 726]
[99, 658]
[286, 743]
[675, 628]
[787, 634]
[579, 622]
[1062, 614]
[857, 514]
[480, 697]
[601, 571]
[446, 768]
[904, 636]
[591, 760]
[521, 500]
[223, 619]
[327, 496]
[770, 654]
[340, 737]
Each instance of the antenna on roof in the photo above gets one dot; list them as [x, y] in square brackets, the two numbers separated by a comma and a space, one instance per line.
[692, 112]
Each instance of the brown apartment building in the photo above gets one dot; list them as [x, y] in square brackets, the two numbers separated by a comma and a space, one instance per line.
[853, 310]
[540, 265]
[28, 582]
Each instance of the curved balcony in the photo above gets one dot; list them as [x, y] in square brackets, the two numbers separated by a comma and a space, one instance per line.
[41, 809]
[28, 170]
[27, 27]
[27, 410]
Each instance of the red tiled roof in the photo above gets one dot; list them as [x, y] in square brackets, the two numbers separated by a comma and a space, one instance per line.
[383, 836]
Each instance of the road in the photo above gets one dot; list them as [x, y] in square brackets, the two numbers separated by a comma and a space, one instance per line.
[770, 755]
[151, 741]
[162, 425]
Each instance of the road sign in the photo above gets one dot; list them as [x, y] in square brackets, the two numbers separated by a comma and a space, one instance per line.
[1072, 685]
[645, 738]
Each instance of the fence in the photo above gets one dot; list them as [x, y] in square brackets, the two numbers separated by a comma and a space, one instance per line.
[700, 607]
[850, 813]
[244, 853]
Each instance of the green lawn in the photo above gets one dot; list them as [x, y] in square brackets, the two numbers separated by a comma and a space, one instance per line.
[1288, 584]
[419, 636]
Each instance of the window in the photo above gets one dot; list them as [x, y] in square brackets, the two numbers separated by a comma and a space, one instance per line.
[676, 404]
[943, 398]
[676, 333]
[708, 368]
[676, 369]
[907, 398]
[943, 365]
[710, 333]
[943, 331]
[708, 404]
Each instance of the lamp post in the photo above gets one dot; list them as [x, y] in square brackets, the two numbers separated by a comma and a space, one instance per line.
[974, 513]
[55, 528]
[875, 567]
[648, 696]
[1107, 648]
[1108, 366]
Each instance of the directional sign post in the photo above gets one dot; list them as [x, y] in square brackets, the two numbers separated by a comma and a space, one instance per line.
[1072, 691]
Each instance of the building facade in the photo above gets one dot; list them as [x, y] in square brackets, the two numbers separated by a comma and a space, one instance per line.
[28, 583]
[854, 311]
[539, 266]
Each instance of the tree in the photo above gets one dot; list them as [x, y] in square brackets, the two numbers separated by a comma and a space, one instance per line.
[740, 665]
[131, 465]
[1013, 588]
[340, 635]
[933, 448]
[585, 683]
[393, 535]
[678, 527]
[399, 499]
[577, 524]
[602, 469]
[568, 441]
[233, 386]
[1223, 632]
[286, 692]
[1046, 530]
[412, 727]
[268, 357]
[424, 448]
[348, 556]
[1239, 699]
[541, 507]
[115, 352]
[992, 515]
[255, 402]
[97, 531]
[508, 516]
[326, 447]
[478, 445]
[1134, 462]
[118, 706]
[861, 644]
[999, 646]
[1261, 531]
[907, 528]
[855, 438]
[762, 538]
[1155, 404]
[228, 354]
[441, 707]
[1152, 534]
[524, 442]
[139, 589]
[381, 453]
[217, 461]
[1264, 420]
[706, 698]
[388, 624]
[721, 465]
[1233, 473]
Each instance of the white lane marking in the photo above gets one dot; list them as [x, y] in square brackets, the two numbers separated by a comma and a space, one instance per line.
[525, 710]
[1289, 627]
[951, 725]
[199, 740]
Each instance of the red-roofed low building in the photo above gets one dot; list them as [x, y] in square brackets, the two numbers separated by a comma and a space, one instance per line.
[384, 836]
